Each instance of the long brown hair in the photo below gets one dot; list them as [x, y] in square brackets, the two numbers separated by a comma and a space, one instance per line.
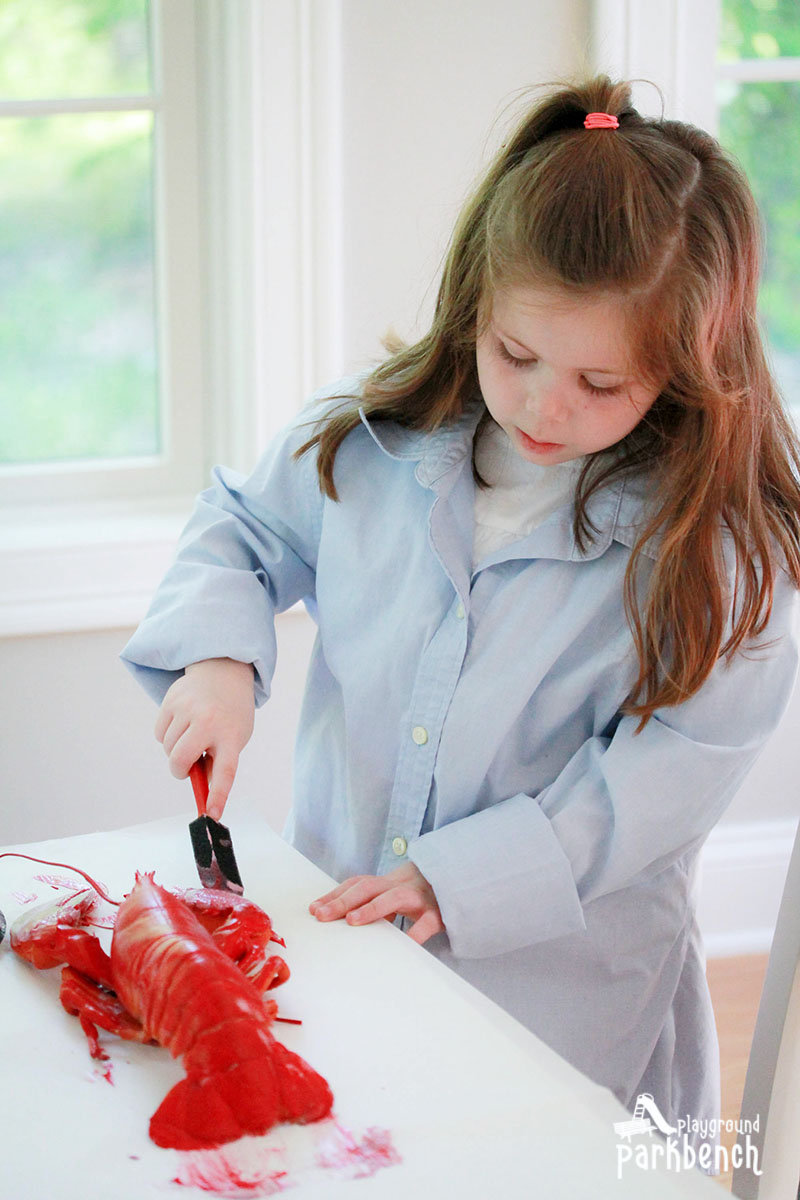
[658, 215]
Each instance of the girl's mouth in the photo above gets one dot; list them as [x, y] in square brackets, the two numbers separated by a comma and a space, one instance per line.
[529, 444]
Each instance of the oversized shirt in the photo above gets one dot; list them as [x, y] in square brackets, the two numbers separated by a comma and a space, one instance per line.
[470, 721]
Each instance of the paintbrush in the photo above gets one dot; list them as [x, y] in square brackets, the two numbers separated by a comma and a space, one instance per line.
[211, 842]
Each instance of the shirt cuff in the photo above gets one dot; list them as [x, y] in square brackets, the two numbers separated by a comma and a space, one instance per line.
[501, 879]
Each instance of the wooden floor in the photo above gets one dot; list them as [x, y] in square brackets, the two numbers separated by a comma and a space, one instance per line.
[735, 985]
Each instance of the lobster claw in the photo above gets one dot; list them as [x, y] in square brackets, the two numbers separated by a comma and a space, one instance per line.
[41, 934]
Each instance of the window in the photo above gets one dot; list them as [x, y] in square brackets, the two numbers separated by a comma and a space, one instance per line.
[219, 330]
[758, 92]
[78, 341]
[100, 392]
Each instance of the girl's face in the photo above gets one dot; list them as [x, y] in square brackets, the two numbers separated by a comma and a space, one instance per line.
[555, 372]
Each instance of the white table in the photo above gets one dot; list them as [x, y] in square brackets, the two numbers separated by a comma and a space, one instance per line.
[474, 1104]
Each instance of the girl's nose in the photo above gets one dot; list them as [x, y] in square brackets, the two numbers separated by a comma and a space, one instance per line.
[546, 398]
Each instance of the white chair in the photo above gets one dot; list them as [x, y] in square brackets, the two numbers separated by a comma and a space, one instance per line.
[772, 1086]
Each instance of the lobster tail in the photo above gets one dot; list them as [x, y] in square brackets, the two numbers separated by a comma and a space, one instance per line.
[206, 1110]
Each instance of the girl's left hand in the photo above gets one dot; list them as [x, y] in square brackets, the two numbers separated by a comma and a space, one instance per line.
[366, 898]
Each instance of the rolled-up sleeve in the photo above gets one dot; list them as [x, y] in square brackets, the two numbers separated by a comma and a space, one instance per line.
[623, 808]
[248, 551]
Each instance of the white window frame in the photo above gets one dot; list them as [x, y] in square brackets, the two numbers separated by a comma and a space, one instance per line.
[273, 129]
[672, 43]
[248, 162]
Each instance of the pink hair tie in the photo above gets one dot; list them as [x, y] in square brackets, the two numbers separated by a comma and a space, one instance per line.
[600, 121]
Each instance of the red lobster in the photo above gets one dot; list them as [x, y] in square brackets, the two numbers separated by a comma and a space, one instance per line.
[186, 972]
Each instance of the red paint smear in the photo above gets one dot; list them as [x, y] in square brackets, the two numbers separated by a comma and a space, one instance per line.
[360, 1159]
[102, 1072]
[24, 897]
[58, 882]
[212, 1171]
[100, 888]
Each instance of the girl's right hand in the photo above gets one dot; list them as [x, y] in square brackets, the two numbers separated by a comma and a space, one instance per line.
[209, 710]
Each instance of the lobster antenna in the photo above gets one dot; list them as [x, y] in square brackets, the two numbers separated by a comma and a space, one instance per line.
[66, 867]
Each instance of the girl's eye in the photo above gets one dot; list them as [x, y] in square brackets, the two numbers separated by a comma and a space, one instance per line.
[601, 391]
[504, 353]
[512, 359]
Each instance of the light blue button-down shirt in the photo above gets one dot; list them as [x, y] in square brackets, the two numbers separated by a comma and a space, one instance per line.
[470, 720]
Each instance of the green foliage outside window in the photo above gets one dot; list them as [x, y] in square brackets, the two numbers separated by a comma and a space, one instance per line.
[760, 125]
[77, 307]
[72, 48]
[759, 29]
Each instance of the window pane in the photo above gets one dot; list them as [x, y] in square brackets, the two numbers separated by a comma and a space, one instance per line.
[56, 48]
[758, 123]
[759, 29]
[77, 310]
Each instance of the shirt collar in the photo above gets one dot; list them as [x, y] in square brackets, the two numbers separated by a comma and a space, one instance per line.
[617, 511]
[436, 451]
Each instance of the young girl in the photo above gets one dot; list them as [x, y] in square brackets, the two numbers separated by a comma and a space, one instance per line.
[552, 551]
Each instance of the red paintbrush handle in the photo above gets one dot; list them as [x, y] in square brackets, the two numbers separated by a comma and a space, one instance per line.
[199, 777]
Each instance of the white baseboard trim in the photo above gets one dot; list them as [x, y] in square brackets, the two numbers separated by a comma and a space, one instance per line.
[743, 870]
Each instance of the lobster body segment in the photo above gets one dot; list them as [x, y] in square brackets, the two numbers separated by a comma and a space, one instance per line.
[169, 980]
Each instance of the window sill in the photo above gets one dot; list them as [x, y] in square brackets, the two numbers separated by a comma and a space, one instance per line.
[85, 570]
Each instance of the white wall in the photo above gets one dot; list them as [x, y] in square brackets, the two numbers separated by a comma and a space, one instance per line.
[426, 89]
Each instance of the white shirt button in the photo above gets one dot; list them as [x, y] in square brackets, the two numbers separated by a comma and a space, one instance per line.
[399, 845]
[460, 611]
[419, 734]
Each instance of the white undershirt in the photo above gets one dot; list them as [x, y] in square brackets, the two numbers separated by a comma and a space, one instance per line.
[522, 494]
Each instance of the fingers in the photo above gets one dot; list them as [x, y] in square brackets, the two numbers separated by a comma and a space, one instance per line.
[220, 782]
[221, 766]
[172, 725]
[428, 924]
[348, 895]
[170, 728]
[386, 904]
[208, 710]
[163, 721]
[184, 747]
[363, 899]
[360, 888]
